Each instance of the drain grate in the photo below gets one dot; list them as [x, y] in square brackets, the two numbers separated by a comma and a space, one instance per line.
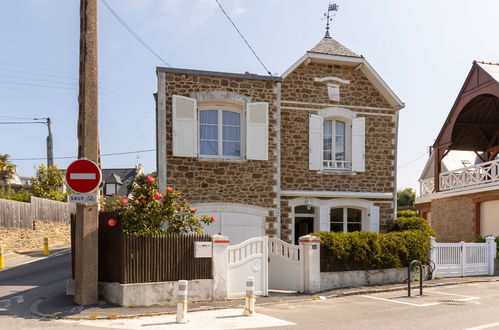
[451, 302]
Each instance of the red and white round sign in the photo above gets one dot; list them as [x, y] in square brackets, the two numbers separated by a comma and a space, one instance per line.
[83, 176]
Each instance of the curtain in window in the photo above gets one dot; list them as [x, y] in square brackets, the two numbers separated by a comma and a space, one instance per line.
[208, 132]
[339, 140]
[328, 140]
[231, 136]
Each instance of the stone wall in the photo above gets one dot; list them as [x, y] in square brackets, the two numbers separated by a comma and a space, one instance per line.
[18, 240]
[454, 218]
[249, 182]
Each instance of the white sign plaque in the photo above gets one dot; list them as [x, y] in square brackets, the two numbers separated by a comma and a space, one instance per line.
[82, 198]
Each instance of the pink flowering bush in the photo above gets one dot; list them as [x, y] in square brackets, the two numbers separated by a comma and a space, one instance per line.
[148, 209]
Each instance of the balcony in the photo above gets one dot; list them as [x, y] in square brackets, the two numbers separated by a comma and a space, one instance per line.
[342, 165]
[466, 177]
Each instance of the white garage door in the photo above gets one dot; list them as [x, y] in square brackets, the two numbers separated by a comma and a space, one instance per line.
[237, 226]
[489, 218]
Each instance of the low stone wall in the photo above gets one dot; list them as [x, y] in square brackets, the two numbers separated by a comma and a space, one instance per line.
[148, 294]
[335, 280]
[18, 240]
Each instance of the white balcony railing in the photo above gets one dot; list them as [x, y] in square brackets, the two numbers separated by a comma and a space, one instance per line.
[470, 176]
[336, 164]
[426, 187]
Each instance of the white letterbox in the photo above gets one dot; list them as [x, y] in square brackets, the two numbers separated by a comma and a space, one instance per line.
[202, 250]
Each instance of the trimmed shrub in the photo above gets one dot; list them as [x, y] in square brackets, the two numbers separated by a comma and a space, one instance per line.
[409, 239]
[406, 214]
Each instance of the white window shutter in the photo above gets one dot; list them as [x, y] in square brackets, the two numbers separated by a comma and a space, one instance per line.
[374, 219]
[257, 131]
[315, 137]
[324, 218]
[185, 128]
[358, 144]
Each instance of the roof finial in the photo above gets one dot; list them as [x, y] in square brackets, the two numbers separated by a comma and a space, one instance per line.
[330, 8]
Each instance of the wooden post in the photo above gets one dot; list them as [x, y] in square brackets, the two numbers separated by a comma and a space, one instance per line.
[86, 233]
[437, 168]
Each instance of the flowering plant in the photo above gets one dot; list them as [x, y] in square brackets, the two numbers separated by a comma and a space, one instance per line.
[149, 211]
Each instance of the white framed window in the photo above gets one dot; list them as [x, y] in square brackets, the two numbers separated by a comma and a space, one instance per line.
[220, 133]
[345, 219]
[219, 128]
[110, 189]
[334, 145]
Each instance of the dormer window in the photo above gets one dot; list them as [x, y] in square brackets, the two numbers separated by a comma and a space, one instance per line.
[111, 189]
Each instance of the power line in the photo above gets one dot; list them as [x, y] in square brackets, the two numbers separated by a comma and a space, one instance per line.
[414, 160]
[102, 155]
[12, 117]
[129, 29]
[36, 85]
[246, 41]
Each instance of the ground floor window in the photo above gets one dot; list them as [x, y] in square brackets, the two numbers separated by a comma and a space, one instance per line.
[345, 219]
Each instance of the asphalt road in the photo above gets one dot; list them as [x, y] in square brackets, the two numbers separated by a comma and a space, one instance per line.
[31, 279]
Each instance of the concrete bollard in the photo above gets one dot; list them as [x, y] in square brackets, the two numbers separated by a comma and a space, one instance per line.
[182, 302]
[45, 245]
[249, 308]
[2, 261]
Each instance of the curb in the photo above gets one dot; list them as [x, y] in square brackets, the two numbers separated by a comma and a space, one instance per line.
[66, 315]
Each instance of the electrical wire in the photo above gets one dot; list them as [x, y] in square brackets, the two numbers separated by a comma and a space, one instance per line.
[246, 41]
[129, 29]
[102, 155]
[414, 160]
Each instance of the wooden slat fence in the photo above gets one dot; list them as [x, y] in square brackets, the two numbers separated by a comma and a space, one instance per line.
[20, 215]
[141, 259]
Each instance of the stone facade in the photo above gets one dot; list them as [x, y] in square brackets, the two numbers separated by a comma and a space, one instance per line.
[455, 218]
[18, 240]
[248, 182]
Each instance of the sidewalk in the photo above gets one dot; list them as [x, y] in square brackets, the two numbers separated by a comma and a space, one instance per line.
[64, 308]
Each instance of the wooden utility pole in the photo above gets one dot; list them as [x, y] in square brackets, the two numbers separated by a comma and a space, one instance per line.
[87, 224]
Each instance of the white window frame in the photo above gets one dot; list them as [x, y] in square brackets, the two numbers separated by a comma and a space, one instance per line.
[221, 106]
[115, 189]
[333, 164]
[345, 216]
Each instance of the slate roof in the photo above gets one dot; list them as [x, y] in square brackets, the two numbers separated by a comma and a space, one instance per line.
[491, 68]
[330, 46]
[121, 176]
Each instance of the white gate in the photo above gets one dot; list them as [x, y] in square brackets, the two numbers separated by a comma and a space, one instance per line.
[463, 259]
[248, 258]
[285, 266]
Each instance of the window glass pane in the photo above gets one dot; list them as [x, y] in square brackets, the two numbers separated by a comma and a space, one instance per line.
[208, 117]
[337, 226]
[354, 227]
[209, 147]
[110, 188]
[336, 215]
[231, 118]
[328, 127]
[354, 215]
[328, 155]
[231, 133]
[231, 149]
[339, 141]
[208, 132]
[340, 128]
[304, 209]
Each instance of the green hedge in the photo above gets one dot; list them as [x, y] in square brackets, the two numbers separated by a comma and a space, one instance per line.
[409, 240]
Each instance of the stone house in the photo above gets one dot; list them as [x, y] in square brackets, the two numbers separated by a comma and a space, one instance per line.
[462, 202]
[313, 150]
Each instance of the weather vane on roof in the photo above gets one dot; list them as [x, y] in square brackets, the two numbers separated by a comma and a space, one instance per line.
[331, 8]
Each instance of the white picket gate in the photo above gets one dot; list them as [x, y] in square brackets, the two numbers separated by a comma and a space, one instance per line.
[463, 259]
[285, 265]
[249, 258]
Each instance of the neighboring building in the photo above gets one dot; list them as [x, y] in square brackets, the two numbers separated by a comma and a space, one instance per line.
[462, 202]
[116, 181]
[312, 151]
[18, 182]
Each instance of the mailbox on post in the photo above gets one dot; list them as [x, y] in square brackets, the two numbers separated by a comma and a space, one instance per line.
[202, 250]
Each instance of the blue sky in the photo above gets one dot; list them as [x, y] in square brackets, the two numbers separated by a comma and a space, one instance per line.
[422, 49]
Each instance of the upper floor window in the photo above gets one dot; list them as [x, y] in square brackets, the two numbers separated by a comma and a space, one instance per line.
[219, 133]
[334, 146]
[219, 128]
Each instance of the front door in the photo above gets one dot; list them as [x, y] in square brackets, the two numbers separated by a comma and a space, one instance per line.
[304, 221]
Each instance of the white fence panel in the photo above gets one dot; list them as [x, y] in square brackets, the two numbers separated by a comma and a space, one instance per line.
[463, 259]
[285, 266]
[249, 258]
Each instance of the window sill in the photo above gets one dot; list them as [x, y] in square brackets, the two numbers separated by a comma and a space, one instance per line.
[336, 172]
[215, 159]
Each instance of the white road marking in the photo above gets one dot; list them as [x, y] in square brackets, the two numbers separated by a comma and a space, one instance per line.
[82, 176]
[484, 326]
[20, 299]
[452, 294]
[402, 302]
[47, 257]
[215, 319]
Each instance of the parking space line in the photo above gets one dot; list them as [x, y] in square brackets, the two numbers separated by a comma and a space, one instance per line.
[403, 302]
[452, 294]
[484, 326]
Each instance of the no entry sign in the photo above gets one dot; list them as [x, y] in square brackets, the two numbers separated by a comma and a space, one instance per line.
[83, 176]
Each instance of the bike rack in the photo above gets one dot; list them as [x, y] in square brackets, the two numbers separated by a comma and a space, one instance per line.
[409, 267]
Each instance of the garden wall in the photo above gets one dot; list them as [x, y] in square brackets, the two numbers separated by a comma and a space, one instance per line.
[18, 240]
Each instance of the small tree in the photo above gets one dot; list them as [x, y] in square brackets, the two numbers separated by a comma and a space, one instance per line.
[149, 211]
[7, 169]
[406, 197]
[49, 183]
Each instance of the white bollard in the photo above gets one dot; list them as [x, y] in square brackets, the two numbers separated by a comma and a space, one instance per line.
[182, 302]
[249, 308]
